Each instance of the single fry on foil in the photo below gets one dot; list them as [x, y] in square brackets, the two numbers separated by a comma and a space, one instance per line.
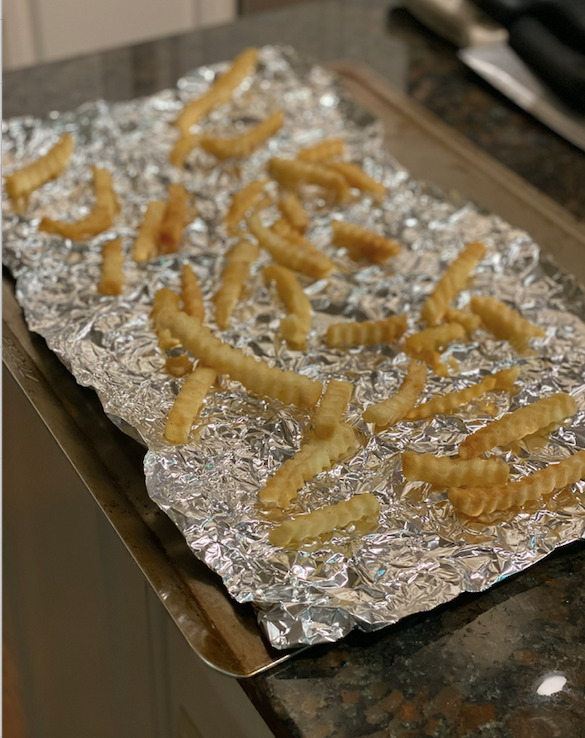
[504, 322]
[244, 200]
[243, 145]
[324, 151]
[468, 320]
[356, 177]
[293, 211]
[183, 146]
[188, 404]
[295, 326]
[443, 471]
[191, 294]
[333, 404]
[234, 277]
[174, 220]
[164, 298]
[367, 332]
[362, 243]
[290, 173]
[145, 243]
[112, 268]
[390, 411]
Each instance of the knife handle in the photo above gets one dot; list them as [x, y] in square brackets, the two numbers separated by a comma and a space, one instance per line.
[559, 66]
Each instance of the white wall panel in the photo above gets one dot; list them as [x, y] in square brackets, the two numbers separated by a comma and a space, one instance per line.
[18, 42]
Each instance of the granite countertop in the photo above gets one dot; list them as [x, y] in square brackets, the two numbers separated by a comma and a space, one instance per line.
[472, 667]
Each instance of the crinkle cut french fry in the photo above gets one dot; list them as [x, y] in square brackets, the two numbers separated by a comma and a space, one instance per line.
[290, 173]
[184, 145]
[164, 298]
[310, 262]
[485, 500]
[452, 282]
[361, 242]
[504, 322]
[432, 339]
[22, 183]
[188, 403]
[285, 230]
[325, 520]
[178, 366]
[294, 327]
[501, 381]
[390, 411]
[234, 277]
[191, 294]
[112, 268]
[220, 92]
[443, 471]
[333, 404]
[313, 457]
[174, 220]
[244, 145]
[99, 219]
[366, 333]
[469, 321]
[293, 211]
[243, 200]
[256, 376]
[356, 177]
[323, 151]
[518, 424]
[145, 244]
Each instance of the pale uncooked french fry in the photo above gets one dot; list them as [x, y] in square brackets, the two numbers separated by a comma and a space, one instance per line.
[469, 321]
[452, 282]
[504, 322]
[501, 381]
[164, 298]
[310, 262]
[22, 183]
[388, 412]
[313, 457]
[293, 211]
[322, 151]
[443, 471]
[191, 294]
[145, 244]
[334, 402]
[220, 92]
[363, 243]
[178, 366]
[112, 268]
[293, 327]
[174, 220]
[99, 219]
[256, 376]
[432, 339]
[366, 333]
[518, 424]
[242, 146]
[486, 500]
[234, 277]
[290, 173]
[325, 520]
[184, 145]
[243, 201]
[188, 404]
[356, 177]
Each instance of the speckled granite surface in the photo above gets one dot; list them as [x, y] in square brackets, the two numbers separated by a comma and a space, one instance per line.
[471, 668]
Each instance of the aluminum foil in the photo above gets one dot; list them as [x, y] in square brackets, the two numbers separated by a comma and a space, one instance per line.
[421, 555]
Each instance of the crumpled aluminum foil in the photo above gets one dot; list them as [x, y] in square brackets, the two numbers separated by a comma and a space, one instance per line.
[421, 555]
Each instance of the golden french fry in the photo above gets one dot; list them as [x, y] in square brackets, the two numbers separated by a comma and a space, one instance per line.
[504, 322]
[469, 321]
[366, 333]
[293, 211]
[361, 242]
[184, 145]
[234, 277]
[501, 381]
[191, 294]
[485, 500]
[178, 366]
[310, 262]
[333, 404]
[112, 268]
[446, 472]
[164, 298]
[294, 327]
[290, 173]
[256, 376]
[99, 219]
[174, 220]
[452, 282]
[325, 520]
[242, 146]
[145, 244]
[22, 183]
[243, 200]
[356, 177]
[322, 151]
[220, 92]
[432, 339]
[522, 422]
[284, 229]
[313, 457]
[388, 412]
[188, 404]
